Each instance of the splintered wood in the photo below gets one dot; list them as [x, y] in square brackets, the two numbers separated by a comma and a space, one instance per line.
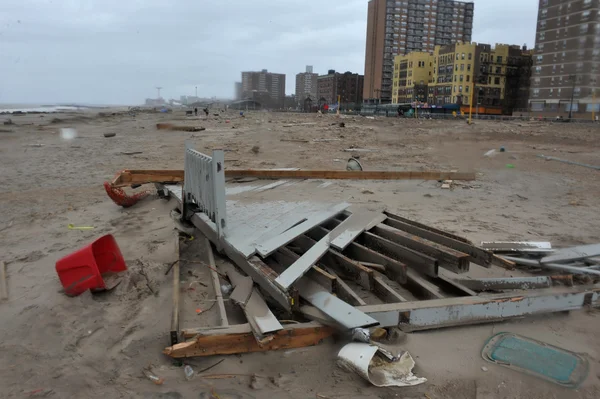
[238, 339]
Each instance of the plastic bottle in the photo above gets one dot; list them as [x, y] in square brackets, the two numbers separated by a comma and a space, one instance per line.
[154, 378]
[189, 372]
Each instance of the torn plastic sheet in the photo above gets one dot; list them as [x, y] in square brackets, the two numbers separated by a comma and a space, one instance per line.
[364, 360]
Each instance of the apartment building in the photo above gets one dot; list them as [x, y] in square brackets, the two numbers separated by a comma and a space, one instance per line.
[412, 75]
[398, 27]
[347, 85]
[491, 76]
[567, 58]
[306, 85]
[265, 87]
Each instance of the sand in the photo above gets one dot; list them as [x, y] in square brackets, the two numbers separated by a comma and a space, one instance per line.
[93, 346]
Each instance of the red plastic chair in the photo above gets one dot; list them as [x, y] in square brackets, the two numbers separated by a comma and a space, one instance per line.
[83, 269]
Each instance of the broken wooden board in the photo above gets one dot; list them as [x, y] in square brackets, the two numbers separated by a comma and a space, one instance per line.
[268, 247]
[233, 340]
[353, 226]
[128, 177]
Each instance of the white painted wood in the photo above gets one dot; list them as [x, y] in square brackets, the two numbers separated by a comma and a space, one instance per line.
[352, 227]
[270, 246]
[302, 264]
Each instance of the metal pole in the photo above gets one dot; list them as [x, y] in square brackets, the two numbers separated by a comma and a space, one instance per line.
[572, 96]
[477, 106]
[471, 107]
[196, 92]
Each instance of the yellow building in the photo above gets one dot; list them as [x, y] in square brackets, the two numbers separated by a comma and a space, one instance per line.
[412, 74]
[464, 72]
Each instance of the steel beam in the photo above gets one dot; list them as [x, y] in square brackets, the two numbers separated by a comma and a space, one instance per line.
[553, 266]
[448, 258]
[506, 283]
[572, 254]
[426, 315]
[477, 255]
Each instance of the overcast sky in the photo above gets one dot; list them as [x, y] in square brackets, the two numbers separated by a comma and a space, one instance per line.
[117, 51]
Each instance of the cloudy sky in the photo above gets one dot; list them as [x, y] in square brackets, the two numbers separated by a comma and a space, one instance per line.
[117, 51]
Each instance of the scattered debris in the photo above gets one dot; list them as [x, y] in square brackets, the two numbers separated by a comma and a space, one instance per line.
[132, 152]
[295, 140]
[447, 184]
[71, 226]
[3, 281]
[366, 362]
[153, 377]
[342, 124]
[255, 149]
[93, 267]
[359, 150]
[490, 153]
[569, 162]
[188, 372]
[537, 358]
[8, 122]
[484, 369]
[181, 128]
[506, 247]
[366, 191]
[109, 135]
[354, 164]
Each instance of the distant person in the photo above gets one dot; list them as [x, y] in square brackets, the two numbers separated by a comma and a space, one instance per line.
[196, 111]
[206, 111]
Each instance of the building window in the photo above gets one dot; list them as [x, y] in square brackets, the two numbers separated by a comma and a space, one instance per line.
[468, 78]
[468, 67]
[542, 35]
[467, 87]
[460, 89]
[536, 92]
[540, 58]
[455, 89]
[583, 28]
[498, 70]
[470, 56]
[499, 59]
[463, 56]
[497, 81]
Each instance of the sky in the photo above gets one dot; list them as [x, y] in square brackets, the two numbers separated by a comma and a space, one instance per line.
[118, 51]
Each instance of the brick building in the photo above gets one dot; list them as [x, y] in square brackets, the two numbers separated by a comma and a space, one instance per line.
[348, 85]
[567, 58]
[265, 87]
[397, 27]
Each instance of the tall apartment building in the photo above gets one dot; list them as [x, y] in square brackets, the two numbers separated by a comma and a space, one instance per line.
[238, 91]
[306, 85]
[493, 76]
[347, 85]
[265, 87]
[567, 55]
[400, 26]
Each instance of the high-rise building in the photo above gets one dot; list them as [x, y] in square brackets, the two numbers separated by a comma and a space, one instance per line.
[347, 85]
[238, 91]
[567, 54]
[495, 77]
[400, 26]
[265, 87]
[306, 85]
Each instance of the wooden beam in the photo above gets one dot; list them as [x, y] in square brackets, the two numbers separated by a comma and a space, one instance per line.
[346, 293]
[477, 255]
[448, 258]
[352, 175]
[385, 292]
[225, 342]
[128, 177]
[285, 257]
[416, 260]
[214, 277]
[426, 227]
[174, 333]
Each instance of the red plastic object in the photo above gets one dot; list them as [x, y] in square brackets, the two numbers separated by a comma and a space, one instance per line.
[83, 269]
[120, 198]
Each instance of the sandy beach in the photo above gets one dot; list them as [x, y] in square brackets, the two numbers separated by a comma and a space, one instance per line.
[93, 346]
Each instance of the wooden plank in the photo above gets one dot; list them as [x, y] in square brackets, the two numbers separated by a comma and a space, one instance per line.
[3, 281]
[477, 255]
[268, 247]
[504, 263]
[346, 293]
[174, 333]
[285, 257]
[426, 227]
[448, 258]
[352, 175]
[214, 277]
[385, 292]
[225, 343]
[297, 269]
[343, 313]
[128, 177]
[340, 263]
[422, 263]
[350, 228]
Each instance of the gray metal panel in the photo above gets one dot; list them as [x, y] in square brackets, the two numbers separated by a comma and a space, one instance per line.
[571, 254]
[424, 315]
[345, 315]
[268, 247]
[553, 266]
[350, 228]
[218, 187]
[517, 246]
[507, 283]
[259, 315]
[303, 264]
